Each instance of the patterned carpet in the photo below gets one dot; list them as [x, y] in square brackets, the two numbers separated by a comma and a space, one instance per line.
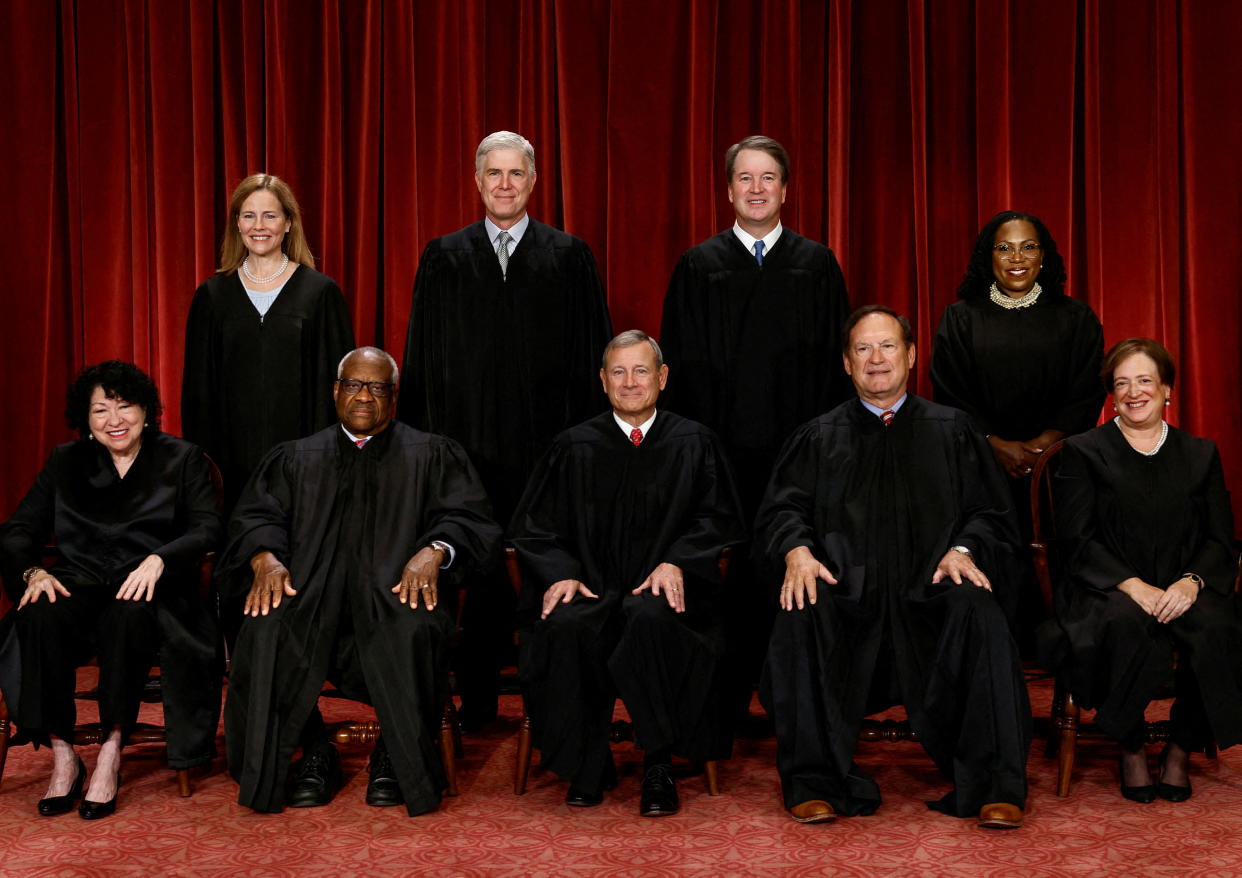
[487, 831]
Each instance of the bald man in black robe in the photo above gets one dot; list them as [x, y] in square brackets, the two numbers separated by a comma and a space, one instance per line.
[620, 531]
[338, 544]
[890, 519]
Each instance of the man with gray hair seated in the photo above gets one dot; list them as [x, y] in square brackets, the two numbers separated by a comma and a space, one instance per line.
[507, 325]
[341, 545]
[619, 533]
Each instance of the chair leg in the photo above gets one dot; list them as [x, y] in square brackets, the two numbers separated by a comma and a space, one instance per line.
[183, 783]
[521, 767]
[713, 779]
[5, 731]
[1053, 742]
[447, 751]
[1068, 724]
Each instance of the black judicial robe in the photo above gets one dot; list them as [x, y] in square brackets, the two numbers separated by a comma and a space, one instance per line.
[104, 526]
[251, 382]
[1018, 372]
[502, 364]
[880, 506]
[754, 352]
[345, 521]
[607, 513]
[1122, 514]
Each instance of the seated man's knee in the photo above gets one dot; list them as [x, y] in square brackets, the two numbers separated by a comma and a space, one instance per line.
[646, 609]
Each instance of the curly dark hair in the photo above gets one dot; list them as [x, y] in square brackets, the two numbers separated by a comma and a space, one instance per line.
[119, 380]
[979, 277]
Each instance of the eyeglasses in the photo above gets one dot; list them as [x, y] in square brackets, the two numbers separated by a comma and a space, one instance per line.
[379, 389]
[1024, 249]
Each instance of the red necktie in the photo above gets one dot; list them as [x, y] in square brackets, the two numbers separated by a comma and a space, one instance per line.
[361, 442]
[636, 436]
[888, 417]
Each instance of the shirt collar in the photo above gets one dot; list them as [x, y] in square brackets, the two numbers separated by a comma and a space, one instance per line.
[877, 411]
[626, 426]
[515, 232]
[748, 240]
[354, 439]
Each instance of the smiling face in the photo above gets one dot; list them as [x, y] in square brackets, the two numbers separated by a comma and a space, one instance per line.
[115, 423]
[363, 413]
[756, 191]
[1138, 393]
[878, 359]
[633, 382]
[262, 223]
[505, 183]
[1016, 257]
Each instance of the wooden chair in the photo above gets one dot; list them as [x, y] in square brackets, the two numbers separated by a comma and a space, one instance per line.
[1065, 727]
[621, 730]
[143, 733]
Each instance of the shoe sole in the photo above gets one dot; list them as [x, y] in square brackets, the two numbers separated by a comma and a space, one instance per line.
[816, 818]
[656, 813]
[1000, 824]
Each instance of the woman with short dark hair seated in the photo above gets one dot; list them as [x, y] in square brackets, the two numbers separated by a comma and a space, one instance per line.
[132, 511]
[1146, 539]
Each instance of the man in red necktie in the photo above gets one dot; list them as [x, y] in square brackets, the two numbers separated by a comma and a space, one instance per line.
[619, 533]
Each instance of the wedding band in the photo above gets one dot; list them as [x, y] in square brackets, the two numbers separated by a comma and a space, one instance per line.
[421, 587]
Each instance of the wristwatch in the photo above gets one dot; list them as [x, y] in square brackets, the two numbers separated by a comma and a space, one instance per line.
[29, 574]
[1195, 578]
[965, 551]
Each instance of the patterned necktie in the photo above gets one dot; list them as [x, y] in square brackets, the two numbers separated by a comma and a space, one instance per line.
[636, 436]
[363, 441]
[502, 252]
[759, 253]
[888, 417]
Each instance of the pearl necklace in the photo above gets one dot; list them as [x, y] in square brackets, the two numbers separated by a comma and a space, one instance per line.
[1009, 303]
[245, 267]
[1164, 434]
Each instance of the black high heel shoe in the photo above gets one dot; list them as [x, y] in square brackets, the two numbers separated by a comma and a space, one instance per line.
[89, 810]
[1144, 795]
[54, 805]
[1168, 791]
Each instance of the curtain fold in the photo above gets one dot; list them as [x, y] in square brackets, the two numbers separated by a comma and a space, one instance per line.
[129, 122]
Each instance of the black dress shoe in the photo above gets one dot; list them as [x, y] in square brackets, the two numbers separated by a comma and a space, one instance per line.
[54, 805]
[1168, 791]
[1144, 795]
[580, 797]
[316, 778]
[383, 789]
[89, 810]
[659, 792]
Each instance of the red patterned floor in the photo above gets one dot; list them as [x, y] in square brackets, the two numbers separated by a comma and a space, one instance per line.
[488, 831]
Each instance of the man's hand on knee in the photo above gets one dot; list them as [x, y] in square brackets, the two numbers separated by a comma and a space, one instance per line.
[270, 585]
[802, 575]
[563, 592]
[420, 579]
[666, 579]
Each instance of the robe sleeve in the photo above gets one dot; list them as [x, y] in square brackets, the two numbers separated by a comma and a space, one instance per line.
[715, 522]
[1083, 394]
[458, 512]
[260, 522]
[1089, 561]
[333, 339]
[591, 331]
[199, 383]
[197, 496]
[786, 518]
[543, 526]
[23, 536]
[1216, 560]
[953, 368]
[422, 399]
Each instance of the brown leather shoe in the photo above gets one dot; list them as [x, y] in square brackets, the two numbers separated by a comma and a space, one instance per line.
[1000, 815]
[814, 811]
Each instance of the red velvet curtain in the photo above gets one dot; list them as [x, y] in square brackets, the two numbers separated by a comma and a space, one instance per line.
[127, 124]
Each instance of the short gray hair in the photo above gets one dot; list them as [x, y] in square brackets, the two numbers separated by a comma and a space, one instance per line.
[629, 338]
[372, 352]
[504, 140]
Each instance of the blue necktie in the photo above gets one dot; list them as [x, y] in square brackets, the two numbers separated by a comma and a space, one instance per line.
[759, 253]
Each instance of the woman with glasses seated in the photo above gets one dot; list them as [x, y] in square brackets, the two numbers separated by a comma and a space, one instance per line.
[263, 337]
[1145, 539]
[1019, 356]
[132, 511]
